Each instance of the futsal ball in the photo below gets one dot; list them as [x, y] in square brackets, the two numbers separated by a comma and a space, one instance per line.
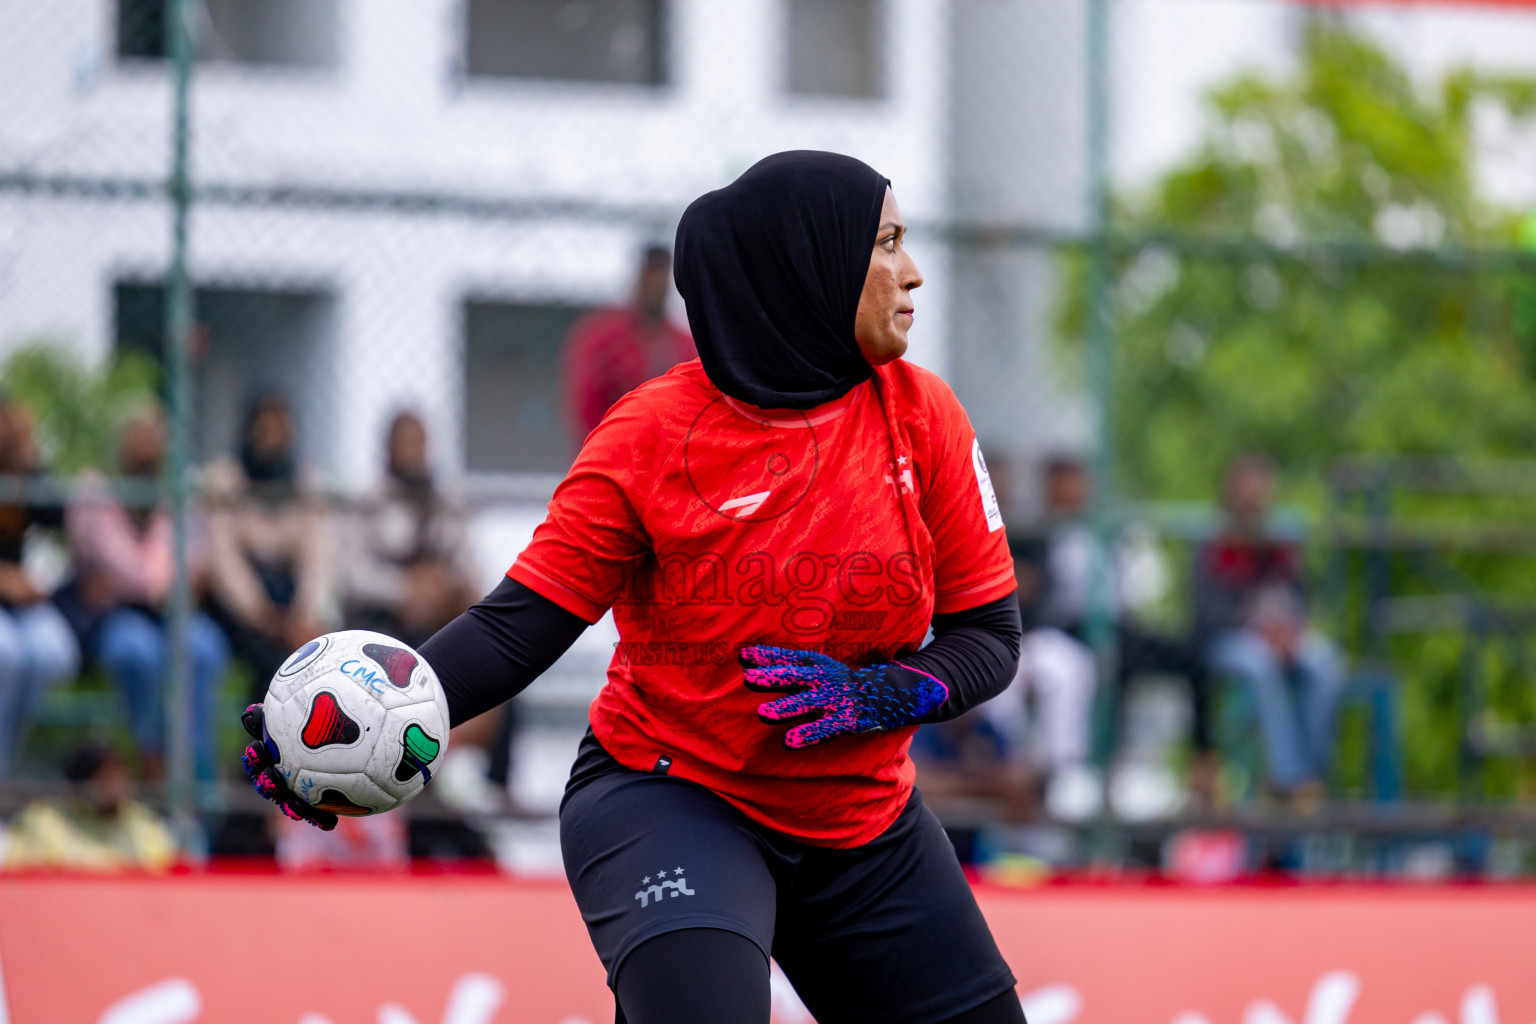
[356, 722]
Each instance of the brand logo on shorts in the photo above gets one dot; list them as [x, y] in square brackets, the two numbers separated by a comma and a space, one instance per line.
[677, 887]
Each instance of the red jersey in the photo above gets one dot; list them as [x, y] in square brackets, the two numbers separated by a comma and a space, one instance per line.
[707, 525]
[611, 352]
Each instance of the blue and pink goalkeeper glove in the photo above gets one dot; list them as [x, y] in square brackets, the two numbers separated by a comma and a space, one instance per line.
[261, 765]
[846, 699]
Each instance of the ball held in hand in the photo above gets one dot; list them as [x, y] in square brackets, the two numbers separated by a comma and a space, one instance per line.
[355, 723]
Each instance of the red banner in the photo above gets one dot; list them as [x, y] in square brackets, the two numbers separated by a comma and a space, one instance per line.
[1417, 3]
[468, 950]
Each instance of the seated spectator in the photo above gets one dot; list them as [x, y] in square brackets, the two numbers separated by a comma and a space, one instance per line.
[1031, 744]
[1139, 580]
[1056, 674]
[37, 647]
[1252, 619]
[970, 758]
[1024, 747]
[124, 568]
[408, 572]
[408, 567]
[611, 352]
[99, 828]
[268, 544]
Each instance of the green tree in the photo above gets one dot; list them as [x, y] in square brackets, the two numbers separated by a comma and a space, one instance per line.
[1308, 345]
[1312, 358]
[78, 408]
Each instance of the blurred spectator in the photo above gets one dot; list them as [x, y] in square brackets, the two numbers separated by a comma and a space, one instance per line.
[269, 546]
[409, 568]
[1140, 578]
[409, 571]
[1251, 618]
[124, 569]
[1057, 671]
[611, 352]
[37, 647]
[99, 828]
[377, 842]
[1001, 752]
[970, 758]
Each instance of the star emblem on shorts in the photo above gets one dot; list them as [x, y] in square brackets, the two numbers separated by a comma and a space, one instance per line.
[677, 871]
[661, 874]
[646, 880]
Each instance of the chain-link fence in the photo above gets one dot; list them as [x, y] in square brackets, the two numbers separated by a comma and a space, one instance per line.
[1157, 236]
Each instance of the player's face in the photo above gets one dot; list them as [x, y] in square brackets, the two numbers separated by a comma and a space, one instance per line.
[885, 305]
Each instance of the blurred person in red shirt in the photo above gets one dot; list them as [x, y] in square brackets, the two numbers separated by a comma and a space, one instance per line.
[610, 352]
[1252, 620]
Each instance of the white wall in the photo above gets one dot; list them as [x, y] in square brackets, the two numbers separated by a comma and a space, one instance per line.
[396, 116]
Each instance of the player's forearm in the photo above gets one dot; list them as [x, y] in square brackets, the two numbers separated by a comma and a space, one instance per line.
[493, 651]
[974, 653]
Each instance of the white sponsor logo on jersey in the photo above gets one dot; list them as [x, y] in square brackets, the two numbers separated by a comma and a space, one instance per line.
[984, 483]
[747, 503]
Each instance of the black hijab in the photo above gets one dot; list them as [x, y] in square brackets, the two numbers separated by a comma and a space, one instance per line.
[271, 472]
[771, 268]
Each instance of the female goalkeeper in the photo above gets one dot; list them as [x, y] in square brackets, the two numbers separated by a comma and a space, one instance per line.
[786, 516]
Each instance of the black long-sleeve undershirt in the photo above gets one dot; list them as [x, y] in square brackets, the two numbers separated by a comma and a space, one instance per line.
[975, 653]
[493, 651]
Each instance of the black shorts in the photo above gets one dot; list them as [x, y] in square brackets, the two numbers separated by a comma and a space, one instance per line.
[888, 931]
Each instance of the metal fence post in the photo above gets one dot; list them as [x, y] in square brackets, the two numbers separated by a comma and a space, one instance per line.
[1100, 623]
[179, 319]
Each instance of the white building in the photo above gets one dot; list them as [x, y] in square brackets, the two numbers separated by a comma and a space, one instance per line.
[428, 190]
[590, 139]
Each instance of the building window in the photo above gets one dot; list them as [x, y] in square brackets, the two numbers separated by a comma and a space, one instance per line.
[834, 47]
[293, 33]
[575, 40]
[514, 409]
[141, 28]
[246, 342]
